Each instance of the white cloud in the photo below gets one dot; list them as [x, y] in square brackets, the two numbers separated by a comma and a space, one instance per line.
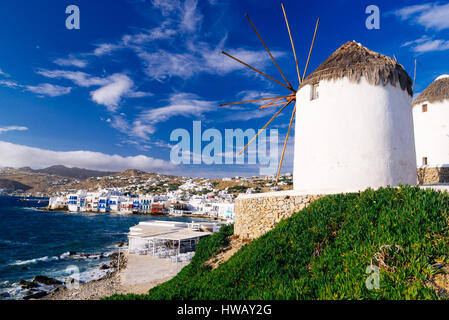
[426, 44]
[224, 64]
[166, 6]
[162, 32]
[14, 155]
[180, 104]
[162, 64]
[106, 48]
[191, 17]
[255, 114]
[417, 41]
[142, 129]
[200, 58]
[185, 104]
[3, 74]
[113, 88]
[246, 95]
[408, 12]
[71, 62]
[431, 16]
[186, 57]
[12, 128]
[48, 89]
[432, 45]
[139, 94]
[81, 79]
[186, 15]
[9, 84]
[250, 111]
[111, 94]
[132, 41]
[179, 18]
[435, 17]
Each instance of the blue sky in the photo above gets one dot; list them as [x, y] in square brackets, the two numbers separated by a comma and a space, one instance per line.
[108, 96]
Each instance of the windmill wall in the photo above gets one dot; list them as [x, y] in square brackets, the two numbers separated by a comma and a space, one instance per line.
[431, 122]
[352, 136]
[256, 214]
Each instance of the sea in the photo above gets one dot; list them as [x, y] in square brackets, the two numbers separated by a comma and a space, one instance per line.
[54, 244]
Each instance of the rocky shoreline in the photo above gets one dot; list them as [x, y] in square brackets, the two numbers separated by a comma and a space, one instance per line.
[95, 289]
[138, 274]
[43, 287]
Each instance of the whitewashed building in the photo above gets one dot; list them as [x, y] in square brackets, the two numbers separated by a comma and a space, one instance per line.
[75, 200]
[226, 210]
[57, 202]
[431, 121]
[354, 124]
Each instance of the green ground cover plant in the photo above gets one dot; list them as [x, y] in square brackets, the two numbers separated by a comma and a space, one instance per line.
[323, 252]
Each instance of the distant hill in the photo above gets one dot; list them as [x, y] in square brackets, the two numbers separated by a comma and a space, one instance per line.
[76, 173]
[11, 185]
[133, 172]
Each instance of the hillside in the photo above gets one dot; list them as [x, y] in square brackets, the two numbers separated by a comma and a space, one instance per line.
[323, 252]
[76, 173]
[59, 178]
[56, 179]
[11, 185]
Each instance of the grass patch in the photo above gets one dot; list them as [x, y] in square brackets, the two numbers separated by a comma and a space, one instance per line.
[323, 252]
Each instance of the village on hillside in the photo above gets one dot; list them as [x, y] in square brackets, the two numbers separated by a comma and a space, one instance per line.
[136, 192]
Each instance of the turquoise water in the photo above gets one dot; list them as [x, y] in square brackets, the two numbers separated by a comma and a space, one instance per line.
[35, 242]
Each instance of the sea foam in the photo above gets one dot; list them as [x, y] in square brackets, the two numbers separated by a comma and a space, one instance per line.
[34, 261]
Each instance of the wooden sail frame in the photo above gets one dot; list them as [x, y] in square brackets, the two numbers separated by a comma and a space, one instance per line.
[275, 101]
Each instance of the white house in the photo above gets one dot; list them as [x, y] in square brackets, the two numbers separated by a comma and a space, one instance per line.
[58, 202]
[431, 120]
[354, 124]
[75, 200]
[226, 210]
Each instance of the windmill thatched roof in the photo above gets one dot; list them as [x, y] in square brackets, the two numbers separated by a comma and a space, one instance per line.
[353, 61]
[437, 91]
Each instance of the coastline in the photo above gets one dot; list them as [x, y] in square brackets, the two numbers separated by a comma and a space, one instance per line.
[136, 214]
[138, 274]
[40, 271]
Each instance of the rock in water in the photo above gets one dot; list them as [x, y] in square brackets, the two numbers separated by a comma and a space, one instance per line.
[27, 284]
[36, 295]
[46, 280]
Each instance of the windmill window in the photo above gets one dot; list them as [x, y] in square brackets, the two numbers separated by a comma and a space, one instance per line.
[424, 161]
[424, 108]
[314, 93]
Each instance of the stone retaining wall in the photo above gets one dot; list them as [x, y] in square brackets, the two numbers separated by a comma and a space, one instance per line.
[432, 175]
[256, 214]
